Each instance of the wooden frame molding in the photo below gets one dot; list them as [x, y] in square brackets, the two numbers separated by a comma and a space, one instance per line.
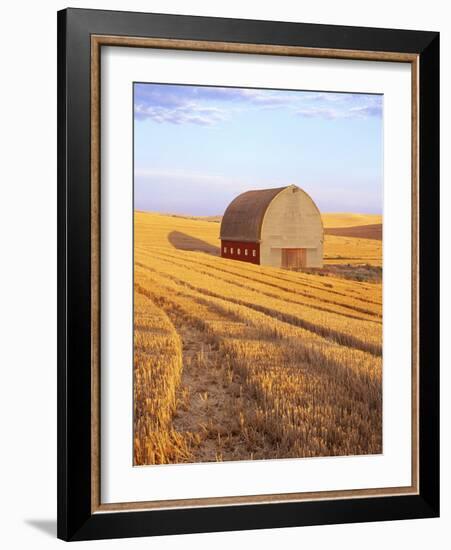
[97, 41]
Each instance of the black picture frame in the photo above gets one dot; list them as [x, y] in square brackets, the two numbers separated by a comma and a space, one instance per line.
[76, 520]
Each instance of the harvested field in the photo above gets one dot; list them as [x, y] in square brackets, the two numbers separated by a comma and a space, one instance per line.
[235, 361]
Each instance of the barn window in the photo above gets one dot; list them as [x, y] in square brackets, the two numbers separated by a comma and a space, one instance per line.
[238, 251]
[254, 253]
[231, 251]
[225, 250]
[246, 251]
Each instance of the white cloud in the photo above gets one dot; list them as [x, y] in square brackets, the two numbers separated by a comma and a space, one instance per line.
[189, 113]
[331, 113]
[210, 105]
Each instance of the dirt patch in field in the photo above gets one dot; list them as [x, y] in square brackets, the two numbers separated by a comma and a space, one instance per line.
[210, 397]
[363, 273]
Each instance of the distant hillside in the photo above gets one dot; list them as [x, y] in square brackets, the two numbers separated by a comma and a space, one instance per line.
[360, 226]
[215, 219]
[347, 219]
[333, 220]
[373, 231]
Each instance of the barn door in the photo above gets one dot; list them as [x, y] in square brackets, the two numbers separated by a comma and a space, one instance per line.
[294, 258]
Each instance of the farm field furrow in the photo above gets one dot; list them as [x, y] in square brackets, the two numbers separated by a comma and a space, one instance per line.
[305, 408]
[266, 286]
[366, 297]
[332, 287]
[157, 371]
[209, 398]
[357, 333]
[316, 348]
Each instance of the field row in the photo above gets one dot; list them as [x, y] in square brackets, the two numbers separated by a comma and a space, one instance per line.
[157, 372]
[313, 397]
[364, 335]
[267, 283]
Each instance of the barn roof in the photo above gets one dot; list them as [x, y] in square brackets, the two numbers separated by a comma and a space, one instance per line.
[243, 218]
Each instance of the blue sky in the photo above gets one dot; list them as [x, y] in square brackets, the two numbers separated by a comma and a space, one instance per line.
[196, 147]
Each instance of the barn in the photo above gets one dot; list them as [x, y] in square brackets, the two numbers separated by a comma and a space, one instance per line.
[279, 227]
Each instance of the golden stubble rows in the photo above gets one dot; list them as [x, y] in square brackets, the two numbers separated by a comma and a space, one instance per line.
[306, 350]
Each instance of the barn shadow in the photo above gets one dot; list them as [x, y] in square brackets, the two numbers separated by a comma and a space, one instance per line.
[182, 241]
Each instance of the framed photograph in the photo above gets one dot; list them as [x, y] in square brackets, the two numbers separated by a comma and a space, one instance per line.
[248, 274]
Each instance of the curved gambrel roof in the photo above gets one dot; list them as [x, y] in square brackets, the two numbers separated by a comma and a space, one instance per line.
[243, 218]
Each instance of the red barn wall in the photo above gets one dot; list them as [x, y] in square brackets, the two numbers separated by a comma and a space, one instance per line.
[241, 246]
